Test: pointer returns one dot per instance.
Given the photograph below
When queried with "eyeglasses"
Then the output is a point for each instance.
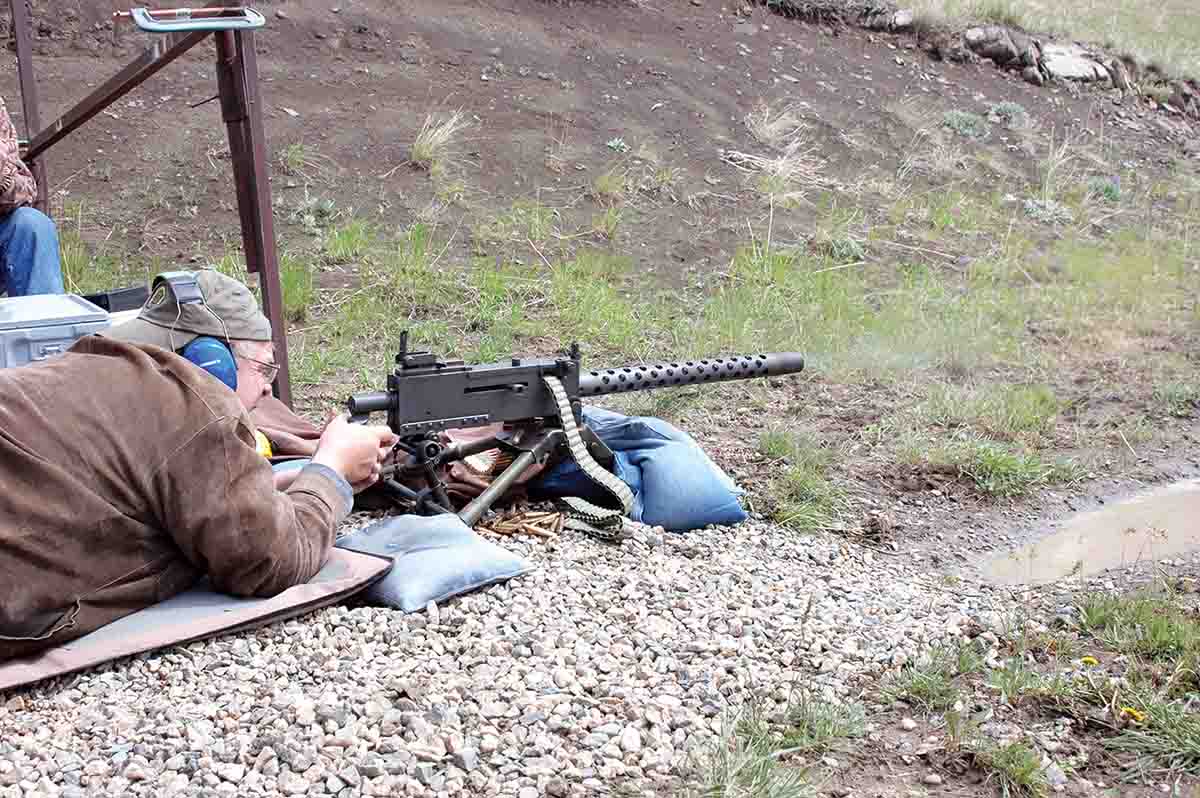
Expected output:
(267, 370)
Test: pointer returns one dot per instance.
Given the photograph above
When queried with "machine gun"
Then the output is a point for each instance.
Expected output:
(538, 403)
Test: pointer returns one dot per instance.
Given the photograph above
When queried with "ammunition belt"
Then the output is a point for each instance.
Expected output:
(591, 519)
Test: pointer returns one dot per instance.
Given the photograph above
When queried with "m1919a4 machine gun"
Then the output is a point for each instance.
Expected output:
(537, 402)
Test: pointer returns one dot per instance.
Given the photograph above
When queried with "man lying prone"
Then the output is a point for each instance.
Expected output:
(129, 470)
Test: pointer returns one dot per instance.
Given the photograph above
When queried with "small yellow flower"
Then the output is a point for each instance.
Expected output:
(1135, 715)
(1090, 661)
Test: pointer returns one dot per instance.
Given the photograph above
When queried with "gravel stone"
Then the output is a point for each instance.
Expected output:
(604, 664)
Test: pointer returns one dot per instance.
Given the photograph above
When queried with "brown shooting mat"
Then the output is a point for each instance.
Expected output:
(197, 614)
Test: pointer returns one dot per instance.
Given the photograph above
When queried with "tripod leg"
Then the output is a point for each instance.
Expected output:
(480, 504)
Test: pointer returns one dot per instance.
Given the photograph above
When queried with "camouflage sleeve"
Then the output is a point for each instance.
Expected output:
(17, 186)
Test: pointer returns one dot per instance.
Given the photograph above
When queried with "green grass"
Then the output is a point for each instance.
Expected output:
(610, 187)
(296, 281)
(965, 123)
(1145, 625)
(525, 221)
(1142, 695)
(803, 494)
(929, 681)
(1014, 768)
(300, 160)
(1014, 681)
(90, 267)
(1180, 399)
(1005, 412)
(815, 725)
(1166, 743)
(996, 469)
(348, 242)
(742, 761)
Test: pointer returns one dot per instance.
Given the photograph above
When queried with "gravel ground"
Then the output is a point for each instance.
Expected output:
(603, 668)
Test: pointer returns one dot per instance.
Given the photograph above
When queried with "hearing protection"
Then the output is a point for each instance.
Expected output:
(211, 354)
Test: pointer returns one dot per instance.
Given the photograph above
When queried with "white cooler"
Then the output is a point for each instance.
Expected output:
(38, 327)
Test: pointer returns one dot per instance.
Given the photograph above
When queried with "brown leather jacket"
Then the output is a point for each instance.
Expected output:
(17, 186)
(127, 474)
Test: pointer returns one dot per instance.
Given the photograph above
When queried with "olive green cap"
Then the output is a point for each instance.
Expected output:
(228, 312)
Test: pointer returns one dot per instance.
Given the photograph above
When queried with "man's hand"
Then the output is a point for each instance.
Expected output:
(355, 451)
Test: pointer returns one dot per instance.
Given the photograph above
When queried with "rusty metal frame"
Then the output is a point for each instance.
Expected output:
(241, 111)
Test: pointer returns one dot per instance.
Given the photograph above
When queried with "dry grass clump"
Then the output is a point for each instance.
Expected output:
(794, 169)
(775, 129)
(433, 145)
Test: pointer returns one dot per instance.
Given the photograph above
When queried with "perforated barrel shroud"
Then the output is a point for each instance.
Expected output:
(687, 372)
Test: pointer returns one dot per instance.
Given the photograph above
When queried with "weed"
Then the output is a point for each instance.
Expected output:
(1106, 188)
(815, 724)
(965, 123)
(1166, 741)
(961, 731)
(667, 403)
(589, 307)
(1001, 12)
(88, 268)
(1055, 174)
(1014, 680)
(432, 146)
(742, 762)
(807, 499)
(1178, 399)
(617, 145)
(296, 279)
(997, 469)
(299, 160)
(1048, 211)
(774, 129)
(1141, 624)
(804, 496)
(605, 225)
(788, 177)
(313, 213)
(348, 242)
(968, 658)
(1015, 767)
(797, 448)
(836, 238)
(927, 682)
(526, 220)
(609, 187)
(1012, 115)
(1009, 413)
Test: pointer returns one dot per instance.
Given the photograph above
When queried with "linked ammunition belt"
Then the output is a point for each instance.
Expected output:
(591, 519)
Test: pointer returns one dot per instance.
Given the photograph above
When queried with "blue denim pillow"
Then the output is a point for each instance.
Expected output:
(675, 484)
(434, 558)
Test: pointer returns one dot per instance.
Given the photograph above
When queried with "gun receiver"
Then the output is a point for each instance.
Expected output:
(426, 395)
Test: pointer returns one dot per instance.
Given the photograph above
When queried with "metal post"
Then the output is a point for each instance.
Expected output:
(237, 83)
(29, 99)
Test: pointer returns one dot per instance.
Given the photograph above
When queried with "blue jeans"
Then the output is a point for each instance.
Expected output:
(29, 254)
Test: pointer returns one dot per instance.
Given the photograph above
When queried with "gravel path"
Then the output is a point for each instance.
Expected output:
(603, 668)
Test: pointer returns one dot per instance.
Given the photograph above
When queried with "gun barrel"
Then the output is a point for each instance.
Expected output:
(688, 372)
(374, 402)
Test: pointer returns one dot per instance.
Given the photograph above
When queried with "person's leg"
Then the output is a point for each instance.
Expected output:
(29, 262)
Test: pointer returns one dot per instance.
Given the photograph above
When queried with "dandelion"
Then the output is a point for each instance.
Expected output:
(1090, 661)
(1135, 715)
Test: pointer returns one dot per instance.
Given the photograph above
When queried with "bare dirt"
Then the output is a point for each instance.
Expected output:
(548, 86)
